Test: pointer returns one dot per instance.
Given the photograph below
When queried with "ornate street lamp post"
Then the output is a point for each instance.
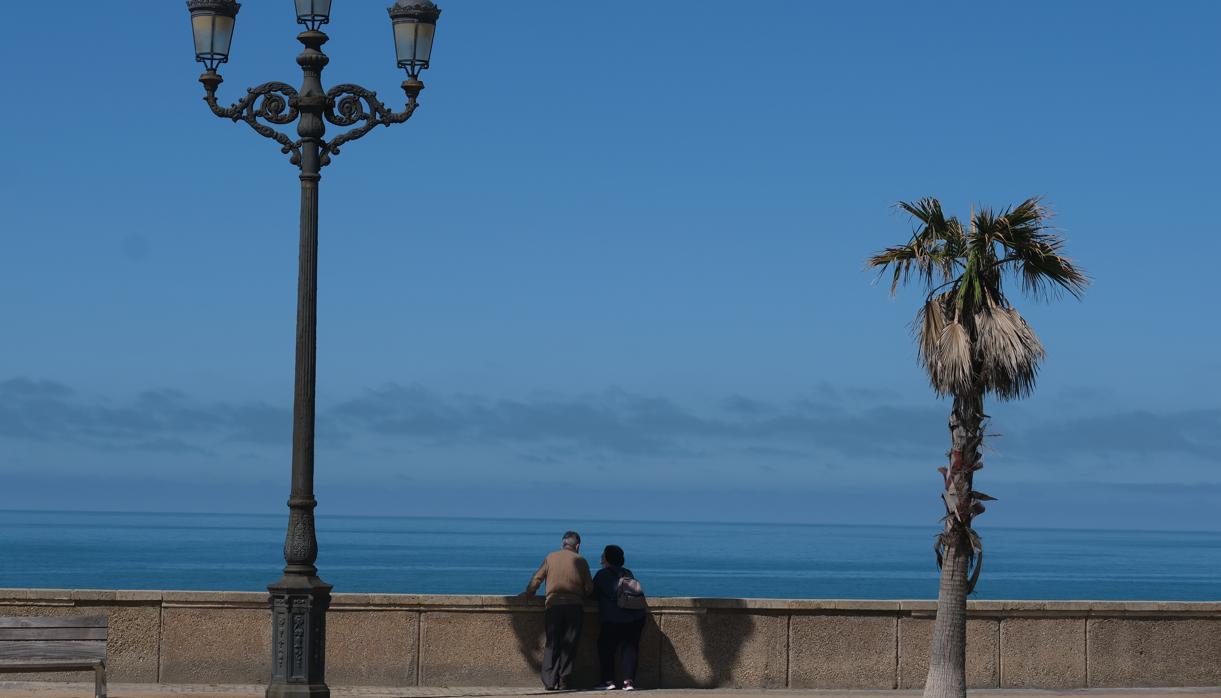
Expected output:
(299, 599)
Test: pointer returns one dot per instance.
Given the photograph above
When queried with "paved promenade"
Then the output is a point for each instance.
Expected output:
(22, 689)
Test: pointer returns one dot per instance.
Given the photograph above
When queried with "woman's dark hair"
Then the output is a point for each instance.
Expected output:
(613, 555)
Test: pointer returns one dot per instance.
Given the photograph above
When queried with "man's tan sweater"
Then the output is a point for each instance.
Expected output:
(567, 577)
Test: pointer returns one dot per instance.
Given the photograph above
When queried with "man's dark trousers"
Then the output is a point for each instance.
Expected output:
(563, 623)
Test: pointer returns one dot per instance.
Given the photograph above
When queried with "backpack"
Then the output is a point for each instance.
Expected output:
(629, 594)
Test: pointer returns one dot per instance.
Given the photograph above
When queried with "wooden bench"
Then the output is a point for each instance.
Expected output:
(63, 643)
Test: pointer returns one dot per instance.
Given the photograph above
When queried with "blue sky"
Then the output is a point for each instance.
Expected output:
(612, 263)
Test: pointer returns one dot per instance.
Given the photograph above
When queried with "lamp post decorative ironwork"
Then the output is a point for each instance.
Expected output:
(299, 599)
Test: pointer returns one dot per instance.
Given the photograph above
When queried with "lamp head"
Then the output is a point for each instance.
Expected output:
(415, 25)
(212, 24)
(313, 13)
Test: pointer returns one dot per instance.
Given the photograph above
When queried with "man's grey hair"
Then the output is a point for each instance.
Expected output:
(571, 539)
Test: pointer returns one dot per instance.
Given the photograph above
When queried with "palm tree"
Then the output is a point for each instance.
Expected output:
(972, 342)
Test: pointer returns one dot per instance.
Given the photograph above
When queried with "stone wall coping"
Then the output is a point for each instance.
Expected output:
(116, 595)
(475, 603)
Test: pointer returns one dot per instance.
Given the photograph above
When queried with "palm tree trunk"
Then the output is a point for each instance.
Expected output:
(947, 662)
(947, 665)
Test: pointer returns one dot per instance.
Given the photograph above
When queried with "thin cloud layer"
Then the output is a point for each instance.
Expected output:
(1141, 433)
(157, 420)
(828, 427)
(625, 424)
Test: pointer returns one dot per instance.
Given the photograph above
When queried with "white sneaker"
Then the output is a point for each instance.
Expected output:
(608, 686)
(627, 686)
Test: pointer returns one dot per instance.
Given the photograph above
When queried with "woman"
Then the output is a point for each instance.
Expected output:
(621, 627)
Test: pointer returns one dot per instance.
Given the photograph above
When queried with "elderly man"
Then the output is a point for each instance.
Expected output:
(568, 581)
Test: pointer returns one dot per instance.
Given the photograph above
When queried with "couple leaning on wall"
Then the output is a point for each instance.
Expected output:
(621, 610)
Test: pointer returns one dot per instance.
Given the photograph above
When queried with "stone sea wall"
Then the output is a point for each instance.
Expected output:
(405, 640)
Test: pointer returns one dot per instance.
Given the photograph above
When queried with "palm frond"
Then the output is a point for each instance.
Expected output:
(928, 264)
(927, 211)
(935, 227)
(1034, 251)
(983, 228)
(1031, 213)
(1007, 351)
(929, 324)
(948, 364)
(931, 252)
(1045, 273)
(974, 290)
(899, 259)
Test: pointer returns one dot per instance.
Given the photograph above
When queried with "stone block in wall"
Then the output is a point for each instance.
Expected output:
(215, 645)
(134, 641)
(842, 651)
(459, 648)
(723, 649)
(1043, 653)
(371, 647)
(1132, 652)
(983, 641)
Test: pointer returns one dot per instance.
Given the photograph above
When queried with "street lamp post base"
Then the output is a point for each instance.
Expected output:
(298, 621)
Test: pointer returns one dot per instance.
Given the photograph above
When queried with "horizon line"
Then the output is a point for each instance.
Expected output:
(704, 522)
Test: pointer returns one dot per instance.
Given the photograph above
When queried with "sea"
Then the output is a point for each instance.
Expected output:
(81, 550)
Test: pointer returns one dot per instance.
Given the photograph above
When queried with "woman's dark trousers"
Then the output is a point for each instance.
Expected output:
(611, 638)
(563, 623)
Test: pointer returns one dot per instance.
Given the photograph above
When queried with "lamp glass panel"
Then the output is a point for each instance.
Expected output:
(314, 10)
(404, 41)
(201, 27)
(222, 36)
(423, 42)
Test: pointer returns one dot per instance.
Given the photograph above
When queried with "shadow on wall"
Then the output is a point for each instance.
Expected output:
(699, 648)
(702, 648)
(528, 628)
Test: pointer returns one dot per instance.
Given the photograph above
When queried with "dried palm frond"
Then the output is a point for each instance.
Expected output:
(930, 323)
(976, 556)
(1007, 351)
(949, 363)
